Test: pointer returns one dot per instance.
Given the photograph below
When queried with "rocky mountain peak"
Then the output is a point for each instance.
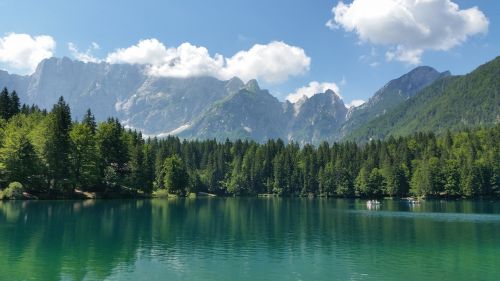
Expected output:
(330, 92)
(252, 86)
(394, 93)
(414, 81)
(334, 95)
(234, 85)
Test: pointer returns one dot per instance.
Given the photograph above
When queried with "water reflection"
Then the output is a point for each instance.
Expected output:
(221, 239)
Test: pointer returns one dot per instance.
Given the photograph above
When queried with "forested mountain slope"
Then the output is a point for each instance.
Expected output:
(390, 96)
(450, 103)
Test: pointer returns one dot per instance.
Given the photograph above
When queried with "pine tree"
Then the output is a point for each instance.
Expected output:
(84, 157)
(113, 151)
(451, 177)
(327, 180)
(15, 104)
(137, 176)
(149, 167)
(420, 184)
(375, 183)
(89, 120)
(361, 180)
(5, 104)
(343, 182)
(58, 146)
(176, 176)
(236, 183)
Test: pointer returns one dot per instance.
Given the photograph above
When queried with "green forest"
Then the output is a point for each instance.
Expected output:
(50, 155)
(450, 103)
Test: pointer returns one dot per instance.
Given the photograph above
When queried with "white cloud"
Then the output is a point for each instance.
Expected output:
(409, 27)
(411, 56)
(150, 51)
(84, 56)
(272, 63)
(184, 61)
(355, 103)
(22, 52)
(310, 90)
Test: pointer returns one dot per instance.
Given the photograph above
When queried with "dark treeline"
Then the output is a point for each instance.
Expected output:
(48, 153)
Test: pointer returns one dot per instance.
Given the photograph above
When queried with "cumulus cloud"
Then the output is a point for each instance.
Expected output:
(272, 63)
(84, 56)
(184, 61)
(310, 90)
(150, 51)
(22, 52)
(409, 27)
(355, 103)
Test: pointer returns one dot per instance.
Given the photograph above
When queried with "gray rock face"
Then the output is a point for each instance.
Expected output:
(13, 82)
(203, 107)
(163, 105)
(83, 85)
(154, 105)
(318, 118)
(250, 113)
(255, 114)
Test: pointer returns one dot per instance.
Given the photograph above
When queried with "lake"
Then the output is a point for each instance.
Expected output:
(249, 239)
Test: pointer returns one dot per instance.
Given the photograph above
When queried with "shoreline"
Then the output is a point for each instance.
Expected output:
(82, 196)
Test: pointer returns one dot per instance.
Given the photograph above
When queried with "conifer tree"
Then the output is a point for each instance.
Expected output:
(5, 104)
(176, 176)
(84, 157)
(58, 146)
(15, 104)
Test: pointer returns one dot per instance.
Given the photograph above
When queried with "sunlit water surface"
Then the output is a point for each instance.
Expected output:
(249, 239)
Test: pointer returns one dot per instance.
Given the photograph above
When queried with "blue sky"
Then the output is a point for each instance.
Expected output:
(358, 55)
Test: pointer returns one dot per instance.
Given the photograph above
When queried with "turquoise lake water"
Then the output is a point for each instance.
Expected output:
(249, 239)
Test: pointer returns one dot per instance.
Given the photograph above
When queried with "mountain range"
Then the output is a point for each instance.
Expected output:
(205, 107)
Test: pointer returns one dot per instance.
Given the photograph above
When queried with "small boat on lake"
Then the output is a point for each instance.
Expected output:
(413, 201)
(373, 204)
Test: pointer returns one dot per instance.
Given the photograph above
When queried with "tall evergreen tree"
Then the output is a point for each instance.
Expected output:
(343, 182)
(176, 176)
(375, 183)
(84, 157)
(15, 104)
(113, 151)
(58, 146)
(5, 104)
(89, 120)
